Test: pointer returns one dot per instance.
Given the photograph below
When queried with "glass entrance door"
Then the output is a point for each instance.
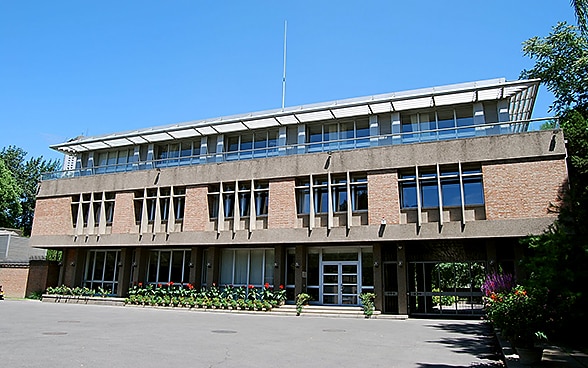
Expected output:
(340, 283)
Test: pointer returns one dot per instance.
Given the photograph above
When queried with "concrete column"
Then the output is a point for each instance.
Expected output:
(280, 266)
(402, 279)
(378, 279)
(212, 266)
(195, 277)
(124, 271)
(140, 265)
(300, 273)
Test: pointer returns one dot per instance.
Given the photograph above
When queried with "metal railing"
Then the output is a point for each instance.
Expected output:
(395, 138)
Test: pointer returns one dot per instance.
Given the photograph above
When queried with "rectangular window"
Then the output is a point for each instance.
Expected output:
(359, 193)
(321, 195)
(451, 188)
(213, 201)
(167, 266)
(101, 270)
(302, 197)
(243, 267)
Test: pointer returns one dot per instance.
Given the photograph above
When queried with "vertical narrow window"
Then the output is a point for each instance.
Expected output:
(164, 203)
(86, 208)
(228, 199)
(362, 133)
(109, 201)
(408, 190)
(261, 195)
(321, 195)
(75, 205)
(339, 189)
(429, 189)
(302, 196)
(179, 202)
(151, 204)
(359, 193)
(96, 207)
(213, 200)
(244, 198)
(138, 203)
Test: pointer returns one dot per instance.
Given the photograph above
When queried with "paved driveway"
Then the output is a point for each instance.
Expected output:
(35, 334)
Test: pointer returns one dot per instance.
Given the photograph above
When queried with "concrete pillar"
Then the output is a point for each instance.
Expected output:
(300, 273)
(124, 271)
(140, 265)
(402, 278)
(378, 282)
(195, 277)
(212, 266)
(280, 266)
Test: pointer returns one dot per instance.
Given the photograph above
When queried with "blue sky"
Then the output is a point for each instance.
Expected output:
(70, 68)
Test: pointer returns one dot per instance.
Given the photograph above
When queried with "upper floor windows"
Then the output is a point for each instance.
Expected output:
(252, 145)
(437, 124)
(92, 210)
(344, 190)
(441, 187)
(338, 135)
(243, 198)
(159, 207)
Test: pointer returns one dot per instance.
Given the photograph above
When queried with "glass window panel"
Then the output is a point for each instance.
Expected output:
(347, 130)
(110, 266)
(303, 200)
(246, 142)
(340, 199)
(409, 195)
(321, 200)
(359, 200)
(339, 256)
(362, 128)
(260, 140)
(232, 144)
(241, 264)
(465, 116)
(451, 192)
(164, 208)
(315, 133)
(473, 191)
(179, 204)
(312, 269)
(350, 268)
(152, 273)
(330, 132)
(229, 203)
(330, 289)
(430, 194)
(269, 266)
(257, 267)
(213, 202)
(445, 119)
(226, 271)
(330, 299)
(90, 266)
(186, 150)
(272, 138)
(261, 203)
(367, 268)
(349, 279)
(164, 265)
(177, 263)
(334, 269)
(331, 279)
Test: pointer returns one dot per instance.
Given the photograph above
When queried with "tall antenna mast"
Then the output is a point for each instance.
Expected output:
(284, 75)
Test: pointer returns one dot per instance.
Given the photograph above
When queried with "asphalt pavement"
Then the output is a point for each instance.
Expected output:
(36, 334)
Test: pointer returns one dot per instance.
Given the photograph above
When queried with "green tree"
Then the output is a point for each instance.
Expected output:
(558, 257)
(26, 174)
(10, 207)
(581, 10)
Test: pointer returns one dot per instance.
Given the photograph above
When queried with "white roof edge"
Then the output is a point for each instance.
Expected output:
(67, 147)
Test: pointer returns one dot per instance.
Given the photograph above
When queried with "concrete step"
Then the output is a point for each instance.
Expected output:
(332, 311)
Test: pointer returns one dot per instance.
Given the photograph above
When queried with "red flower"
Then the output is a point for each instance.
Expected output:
(190, 286)
(171, 283)
(251, 286)
(281, 287)
(140, 284)
(213, 284)
(266, 285)
(159, 285)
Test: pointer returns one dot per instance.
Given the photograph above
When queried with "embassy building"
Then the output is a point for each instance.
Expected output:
(414, 196)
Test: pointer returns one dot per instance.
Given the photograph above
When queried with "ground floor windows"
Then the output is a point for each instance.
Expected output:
(243, 267)
(169, 266)
(101, 270)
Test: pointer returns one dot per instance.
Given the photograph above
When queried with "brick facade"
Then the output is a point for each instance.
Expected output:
(523, 189)
(383, 198)
(123, 221)
(196, 209)
(13, 279)
(53, 217)
(282, 204)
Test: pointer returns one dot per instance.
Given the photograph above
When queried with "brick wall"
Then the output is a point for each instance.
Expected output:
(196, 209)
(383, 198)
(14, 280)
(42, 274)
(123, 220)
(522, 190)
(282, 204)
(53, 216)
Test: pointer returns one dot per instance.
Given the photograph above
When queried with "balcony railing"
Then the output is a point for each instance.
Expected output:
(396, 138)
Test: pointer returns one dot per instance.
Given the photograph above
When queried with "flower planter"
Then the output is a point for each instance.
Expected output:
(530, 356)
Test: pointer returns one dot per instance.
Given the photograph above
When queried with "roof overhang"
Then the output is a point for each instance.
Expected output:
(521, 95)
